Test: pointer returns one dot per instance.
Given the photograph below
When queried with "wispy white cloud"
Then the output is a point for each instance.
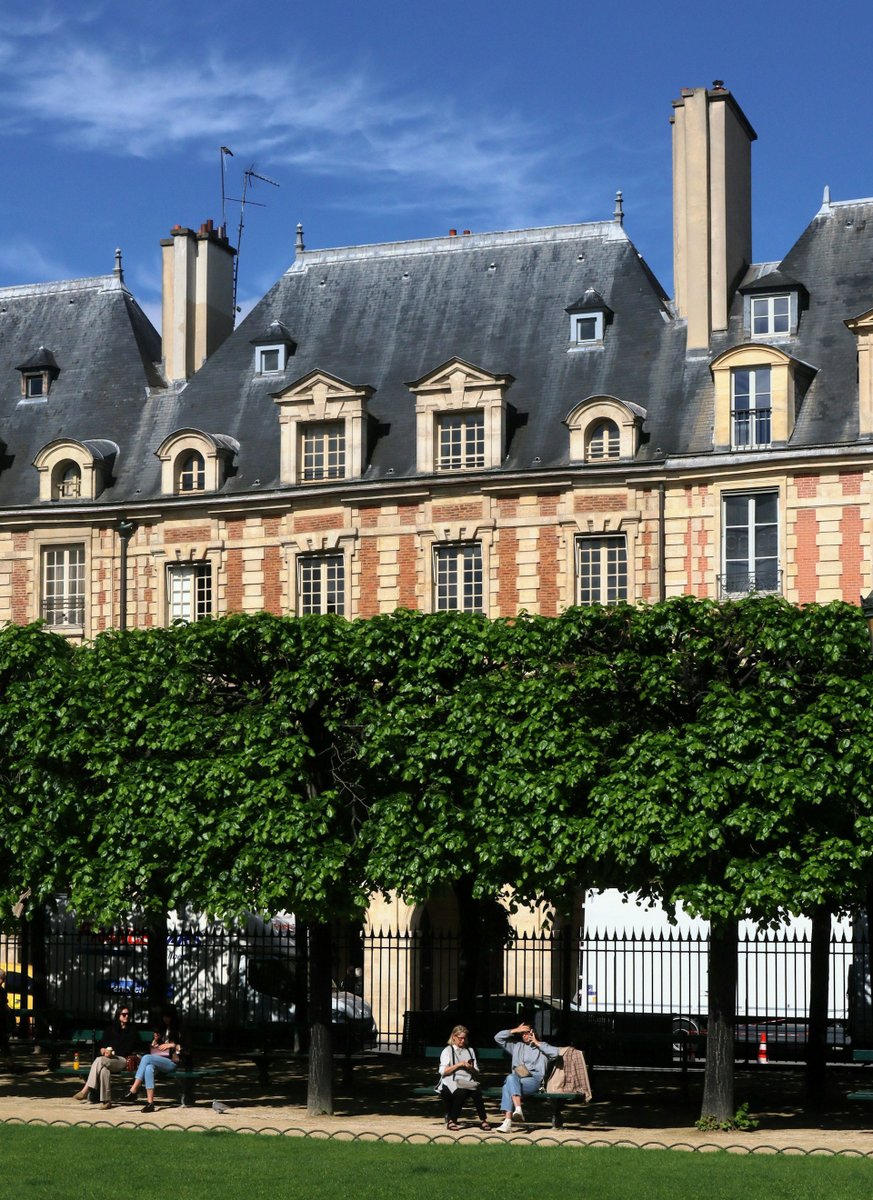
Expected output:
(338, 123)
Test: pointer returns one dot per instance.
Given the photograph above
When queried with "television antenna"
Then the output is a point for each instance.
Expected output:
(249, 177)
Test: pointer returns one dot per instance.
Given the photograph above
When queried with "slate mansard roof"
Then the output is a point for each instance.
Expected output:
(379, 317)
(104, 350)
(384, 316)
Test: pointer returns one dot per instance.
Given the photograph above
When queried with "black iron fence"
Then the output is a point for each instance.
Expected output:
(400, 990)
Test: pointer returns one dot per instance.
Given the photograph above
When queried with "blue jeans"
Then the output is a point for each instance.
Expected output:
(513, 1086)
(149, 1063)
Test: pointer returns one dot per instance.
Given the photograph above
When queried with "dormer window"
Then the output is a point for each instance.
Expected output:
(587, 328)
(323, 429)
(603, 441)
(193, 461)
(273, 348)
(758, 390)
(770, 315)
(37, 374)
(71, 470)
(460, 418)
(750, 414)
(603, 428)
(589, 317)
(192, 473)
(67, 484)
(771, 304)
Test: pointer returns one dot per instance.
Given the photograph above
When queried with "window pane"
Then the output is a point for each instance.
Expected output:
(321, 584)
(458, 578)
(63, 585)
(189, 591)
(750, 539)
(586, 329)
(324, 450)
(460, 441)
(601, 569)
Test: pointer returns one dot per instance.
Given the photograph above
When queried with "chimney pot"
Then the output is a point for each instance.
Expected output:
(453, 233)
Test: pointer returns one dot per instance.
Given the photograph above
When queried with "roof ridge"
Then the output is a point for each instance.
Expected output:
(103, 283)
(453, 243)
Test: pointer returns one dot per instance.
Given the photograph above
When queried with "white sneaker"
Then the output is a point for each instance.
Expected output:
(505, 1127)
(518, 1115)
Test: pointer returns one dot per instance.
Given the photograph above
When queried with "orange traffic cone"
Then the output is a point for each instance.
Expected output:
(762, 1049)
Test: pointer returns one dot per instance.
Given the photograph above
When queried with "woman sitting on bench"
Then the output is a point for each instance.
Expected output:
(459, 1078)
(530, 1061)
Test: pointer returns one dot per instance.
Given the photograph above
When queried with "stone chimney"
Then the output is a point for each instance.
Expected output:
(197, 297)
(712, 207)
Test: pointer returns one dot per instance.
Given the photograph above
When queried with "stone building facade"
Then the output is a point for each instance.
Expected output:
(498, 422)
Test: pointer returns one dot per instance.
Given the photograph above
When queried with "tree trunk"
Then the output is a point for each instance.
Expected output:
(156, 959)
(819, 980)
(319, 1097)
(469, 947)
(718, 1084)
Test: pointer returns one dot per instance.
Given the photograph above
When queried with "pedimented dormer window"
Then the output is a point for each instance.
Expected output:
(72, 470)
(273, 348)
(38, 373)
(589, 317)
(460, 413)
(193, 461)
(604, 428)
(323, 429)
(758, 389)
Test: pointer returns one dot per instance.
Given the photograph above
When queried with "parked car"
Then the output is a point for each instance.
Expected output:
(501, 1009)
(270, 997)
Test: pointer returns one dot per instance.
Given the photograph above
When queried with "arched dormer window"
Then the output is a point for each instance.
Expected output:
(604, 429)
(193, 461)
(71, 470)
(602, 441)
(67, 481)
(191, 473)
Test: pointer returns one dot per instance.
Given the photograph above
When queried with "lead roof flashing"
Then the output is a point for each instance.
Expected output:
(94, 283)
(606, 231)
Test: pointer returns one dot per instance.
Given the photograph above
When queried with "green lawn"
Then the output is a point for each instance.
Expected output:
(107, 1164)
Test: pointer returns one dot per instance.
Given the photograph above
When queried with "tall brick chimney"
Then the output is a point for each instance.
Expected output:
(712, 207)
(197, 297)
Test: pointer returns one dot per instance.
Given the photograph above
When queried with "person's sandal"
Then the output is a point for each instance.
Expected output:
(453, 1126)
(485, 1125)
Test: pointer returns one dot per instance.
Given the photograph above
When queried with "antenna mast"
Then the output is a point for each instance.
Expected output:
(249, 176)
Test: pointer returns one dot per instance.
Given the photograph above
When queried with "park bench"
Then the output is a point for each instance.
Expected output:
(183, 1078)
(862, 1056)
(556, 1100)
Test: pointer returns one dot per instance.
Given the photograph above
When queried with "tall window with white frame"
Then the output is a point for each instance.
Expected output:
(750, 408)
(750, 543)
(189, 591)
(63, 586)
(460, 441)
(321, 584)
(601, 569)
(770, 315)
(323, 451)
(457, 577)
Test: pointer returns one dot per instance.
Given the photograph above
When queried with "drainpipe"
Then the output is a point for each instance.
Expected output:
(125, 533)
(662, 545)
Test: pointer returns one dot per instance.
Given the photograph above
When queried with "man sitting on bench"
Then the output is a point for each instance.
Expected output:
(530, 1061)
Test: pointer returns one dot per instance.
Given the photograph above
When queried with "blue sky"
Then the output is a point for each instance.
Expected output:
(394, 120)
